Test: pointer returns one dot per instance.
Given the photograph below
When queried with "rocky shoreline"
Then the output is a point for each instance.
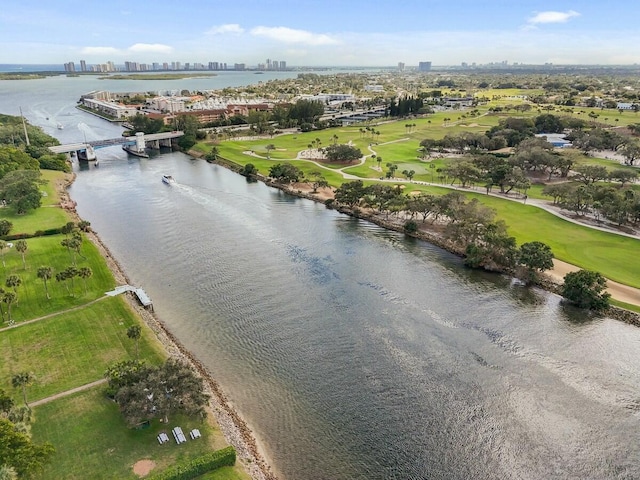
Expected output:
(234, 428)
(545, 282)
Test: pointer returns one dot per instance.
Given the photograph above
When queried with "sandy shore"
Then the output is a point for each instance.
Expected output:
(234, 428)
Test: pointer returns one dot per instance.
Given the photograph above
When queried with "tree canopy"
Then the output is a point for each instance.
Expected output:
(148, 392)
(342, 153)
(20, 189)
(585, 289)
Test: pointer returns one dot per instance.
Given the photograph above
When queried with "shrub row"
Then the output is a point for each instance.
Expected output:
(37, 233)
(225, 457)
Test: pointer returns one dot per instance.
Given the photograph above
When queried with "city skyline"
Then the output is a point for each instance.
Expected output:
(313, 33)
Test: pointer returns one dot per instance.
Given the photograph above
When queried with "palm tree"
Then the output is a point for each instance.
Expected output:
(70, 273)
(9, 298)
(8, 473)
(134, 333)
(23, 380)
(62, 277)
(21, 246)
(45, 273)
(84, 273)
(3, 245)
(432, 166)
(13, 281)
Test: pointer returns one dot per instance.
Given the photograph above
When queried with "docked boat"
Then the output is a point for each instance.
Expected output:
(87, 155)
(134, 151)
(168, 179)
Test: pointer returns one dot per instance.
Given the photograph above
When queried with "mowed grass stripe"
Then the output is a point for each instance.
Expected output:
(73, 349)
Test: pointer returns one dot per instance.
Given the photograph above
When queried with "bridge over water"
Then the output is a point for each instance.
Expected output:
(140, 140)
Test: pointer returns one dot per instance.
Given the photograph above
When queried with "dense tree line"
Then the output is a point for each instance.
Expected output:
(15, 154)
(470, 227)
(20, 457)
(619, 205)
(404, 107)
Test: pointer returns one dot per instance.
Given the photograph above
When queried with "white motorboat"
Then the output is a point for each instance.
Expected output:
(168, 179)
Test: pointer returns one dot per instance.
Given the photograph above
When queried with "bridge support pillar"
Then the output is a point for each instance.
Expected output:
(140, 144)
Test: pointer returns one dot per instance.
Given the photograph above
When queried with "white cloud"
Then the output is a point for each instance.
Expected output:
(99, 51)
(290, 35)
(227, 28)
(150, 48)
(552, 17)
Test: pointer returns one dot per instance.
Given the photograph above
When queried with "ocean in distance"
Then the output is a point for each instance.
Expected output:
(353, 352)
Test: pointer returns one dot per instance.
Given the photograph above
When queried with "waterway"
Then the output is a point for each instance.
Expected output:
(354, 352)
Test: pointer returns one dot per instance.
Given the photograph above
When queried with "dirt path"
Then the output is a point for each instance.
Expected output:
(68, 392)
(55, 314)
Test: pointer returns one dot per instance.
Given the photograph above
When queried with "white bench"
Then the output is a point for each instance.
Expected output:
(195, 433)
(163, 438)
(178, 434)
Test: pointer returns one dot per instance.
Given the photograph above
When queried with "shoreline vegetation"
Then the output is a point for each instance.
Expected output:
(547, 281)
(235, 430)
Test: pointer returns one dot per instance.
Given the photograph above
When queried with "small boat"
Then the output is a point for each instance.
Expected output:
(87, 155)
(168, 179)
(135, 152)
(60, 126)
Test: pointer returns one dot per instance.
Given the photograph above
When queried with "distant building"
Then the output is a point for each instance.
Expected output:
(455, 102)
(83, 66)
(111, 109)
(558, 140)
(401, 66)
(424, 66)
(69, 67)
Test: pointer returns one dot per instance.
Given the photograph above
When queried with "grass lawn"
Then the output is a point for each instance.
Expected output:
(615, 256)
(93, 442)
(42, 218)
(47, 251)
(73, 348)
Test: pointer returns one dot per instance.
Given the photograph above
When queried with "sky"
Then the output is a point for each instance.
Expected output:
(320, 33)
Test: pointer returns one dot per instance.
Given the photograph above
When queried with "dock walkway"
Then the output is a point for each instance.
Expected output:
(143, 298)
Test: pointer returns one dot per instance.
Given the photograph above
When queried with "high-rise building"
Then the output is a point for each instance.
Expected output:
(283, 65)
(401, 66)
(69, 67)
(424, 66)
(83, 66)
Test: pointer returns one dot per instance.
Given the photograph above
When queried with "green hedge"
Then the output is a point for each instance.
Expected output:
(38, 233)
(225, 457)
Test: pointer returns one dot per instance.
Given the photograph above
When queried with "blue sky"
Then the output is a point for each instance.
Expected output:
(329, 32)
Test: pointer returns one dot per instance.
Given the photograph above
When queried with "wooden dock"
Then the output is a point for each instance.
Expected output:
(143, 298)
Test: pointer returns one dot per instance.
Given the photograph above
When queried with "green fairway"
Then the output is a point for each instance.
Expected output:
(93, 442)
(73, 348)
(398, 142)
(615, 256)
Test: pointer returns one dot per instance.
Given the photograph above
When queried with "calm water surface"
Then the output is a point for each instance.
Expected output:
(355, 353)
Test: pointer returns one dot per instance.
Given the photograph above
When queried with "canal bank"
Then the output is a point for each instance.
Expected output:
(550, 281)
(234, 428)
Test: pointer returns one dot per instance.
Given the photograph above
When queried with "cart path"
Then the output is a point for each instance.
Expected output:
(68, 392)
(618, 291)
(61, 312)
